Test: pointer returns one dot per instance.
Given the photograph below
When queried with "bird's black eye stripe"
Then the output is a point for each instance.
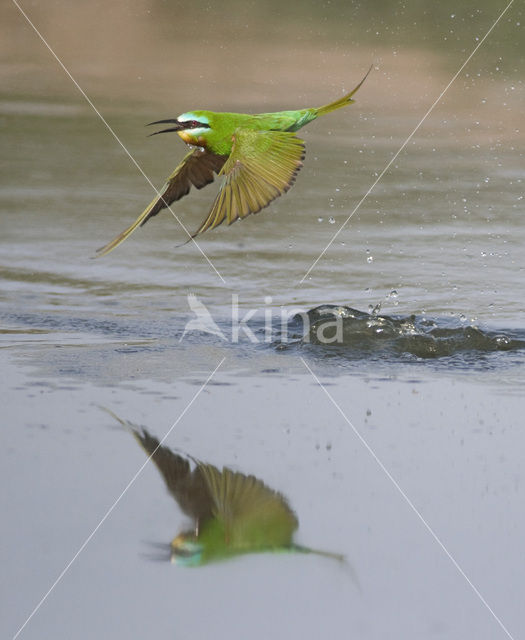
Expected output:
(194, 124)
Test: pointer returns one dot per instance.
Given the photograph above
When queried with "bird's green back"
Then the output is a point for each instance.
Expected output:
(222, 126)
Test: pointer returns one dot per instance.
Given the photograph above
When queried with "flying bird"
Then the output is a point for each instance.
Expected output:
(257, 156)
(232, 513)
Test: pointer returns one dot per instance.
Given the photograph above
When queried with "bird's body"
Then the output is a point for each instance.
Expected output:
(258, 157)
(222, 126)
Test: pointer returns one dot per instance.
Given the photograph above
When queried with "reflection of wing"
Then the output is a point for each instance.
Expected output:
(197, 169)
(188, 487)
(261, 167)
(251, 514)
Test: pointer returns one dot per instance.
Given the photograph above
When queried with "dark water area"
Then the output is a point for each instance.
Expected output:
(360, 333)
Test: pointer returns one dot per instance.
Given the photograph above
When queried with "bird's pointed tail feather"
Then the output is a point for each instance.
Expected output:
(319, 552)
(341, 558)
(342, 102)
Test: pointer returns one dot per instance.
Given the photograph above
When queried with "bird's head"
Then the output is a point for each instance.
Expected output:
(185, 551)
(192, 127)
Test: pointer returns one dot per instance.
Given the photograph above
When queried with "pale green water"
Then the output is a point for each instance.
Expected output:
(441, 236)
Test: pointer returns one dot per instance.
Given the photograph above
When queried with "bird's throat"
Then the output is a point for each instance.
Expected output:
(197, 141)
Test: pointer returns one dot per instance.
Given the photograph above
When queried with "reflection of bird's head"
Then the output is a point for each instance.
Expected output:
(185, 552)
(191, 127)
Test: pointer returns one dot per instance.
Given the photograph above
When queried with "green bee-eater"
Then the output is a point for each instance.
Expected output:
(232, 513)
(257, 156)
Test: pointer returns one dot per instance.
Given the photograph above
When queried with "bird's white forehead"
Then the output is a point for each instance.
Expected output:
(184, 117)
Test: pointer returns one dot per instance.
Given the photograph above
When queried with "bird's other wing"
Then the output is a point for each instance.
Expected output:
(261, 167)
(197, 168)
(252, 515)
(187, 487)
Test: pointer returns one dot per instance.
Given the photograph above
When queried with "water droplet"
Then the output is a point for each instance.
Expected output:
(502, 341)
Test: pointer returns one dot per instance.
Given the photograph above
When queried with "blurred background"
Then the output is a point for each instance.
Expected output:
(155, 54)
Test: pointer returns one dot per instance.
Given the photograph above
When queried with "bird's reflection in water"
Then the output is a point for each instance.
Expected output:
(232, 513)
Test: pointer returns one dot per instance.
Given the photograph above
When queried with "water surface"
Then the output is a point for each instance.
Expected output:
(429, 373)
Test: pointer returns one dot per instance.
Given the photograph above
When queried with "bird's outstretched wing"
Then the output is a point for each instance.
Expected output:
(197, 169)
(252, 515)
(261, 167)
(187, 486)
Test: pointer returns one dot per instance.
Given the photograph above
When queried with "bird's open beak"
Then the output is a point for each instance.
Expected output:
(178, 126)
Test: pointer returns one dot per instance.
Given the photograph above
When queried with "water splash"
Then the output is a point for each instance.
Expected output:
(359, 333)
